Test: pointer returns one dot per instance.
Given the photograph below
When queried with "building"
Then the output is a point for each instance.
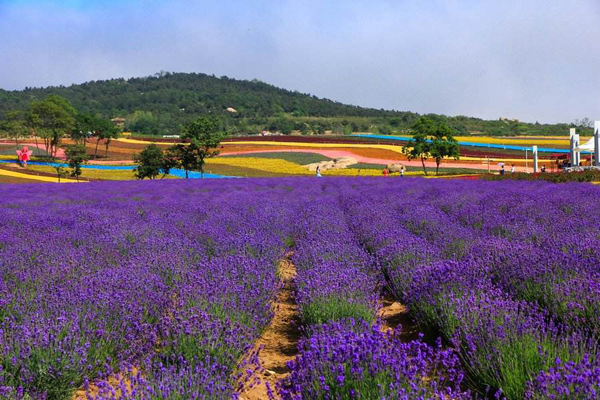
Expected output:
(119, 121)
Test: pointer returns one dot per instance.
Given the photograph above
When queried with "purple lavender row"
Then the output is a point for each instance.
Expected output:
(336, 279)
(113, 272)
(344, 355)
(496, 335)
(356, 360)
(554, 258)
(541, 269)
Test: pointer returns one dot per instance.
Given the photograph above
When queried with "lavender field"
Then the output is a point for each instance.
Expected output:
(160, 290)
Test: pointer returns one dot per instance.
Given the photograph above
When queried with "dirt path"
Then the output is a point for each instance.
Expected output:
(394, 315)
(279, 342)
(114, 380)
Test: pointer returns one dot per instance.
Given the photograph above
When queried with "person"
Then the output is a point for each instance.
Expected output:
(319, 172)
(543, 168)
(386, 172)
(24, 155)
(512, 169)
(502, 170)
(401, 171)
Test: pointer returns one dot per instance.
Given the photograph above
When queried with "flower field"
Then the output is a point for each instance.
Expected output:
(160, 290)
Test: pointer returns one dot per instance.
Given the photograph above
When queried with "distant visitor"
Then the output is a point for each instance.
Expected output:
(24, 155)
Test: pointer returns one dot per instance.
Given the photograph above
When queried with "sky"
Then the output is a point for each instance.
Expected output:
(535, 60)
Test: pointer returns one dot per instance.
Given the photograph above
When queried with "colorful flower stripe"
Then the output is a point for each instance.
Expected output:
(287, 167)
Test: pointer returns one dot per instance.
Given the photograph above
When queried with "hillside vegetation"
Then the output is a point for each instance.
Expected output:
(162, 103)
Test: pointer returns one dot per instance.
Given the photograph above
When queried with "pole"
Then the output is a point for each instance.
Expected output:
(572, 147)
(597, 144)
(576, 153)
(535, 159)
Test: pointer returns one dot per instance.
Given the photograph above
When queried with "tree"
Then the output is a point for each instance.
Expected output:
(204, 135)
(143, 122)
(76, 155)
(101, 128)
(185, 158)
(284, 125)
(152, 161)
(418, 146)
(108, 136)
(105, 130)
(443, 145)
(51, 118)
(83, 126)
(584, 123)
(170, 160)
(14, 127)
(60, 172)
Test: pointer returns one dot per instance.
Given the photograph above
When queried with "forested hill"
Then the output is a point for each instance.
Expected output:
(192, 93)
(162, 103)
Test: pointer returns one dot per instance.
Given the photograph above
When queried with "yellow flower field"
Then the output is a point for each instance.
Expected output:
(364, 172)
(20, 175)
(262, 164)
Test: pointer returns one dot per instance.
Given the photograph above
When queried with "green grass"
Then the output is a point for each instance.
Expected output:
(334, 308)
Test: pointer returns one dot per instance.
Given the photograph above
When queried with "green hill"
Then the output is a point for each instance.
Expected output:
(160, 104)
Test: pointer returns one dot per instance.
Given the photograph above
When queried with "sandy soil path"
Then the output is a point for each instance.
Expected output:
(394, 316)
(279, 342)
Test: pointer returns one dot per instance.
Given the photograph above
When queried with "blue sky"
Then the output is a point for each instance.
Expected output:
(532, 60)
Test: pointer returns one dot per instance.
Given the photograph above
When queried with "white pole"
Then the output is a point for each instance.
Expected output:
(577, 153)
(597, 143)
(572, 147)
(535, 159)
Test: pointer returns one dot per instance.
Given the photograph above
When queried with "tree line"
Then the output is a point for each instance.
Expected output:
(166, 102)
(430, 139)
(51, 120)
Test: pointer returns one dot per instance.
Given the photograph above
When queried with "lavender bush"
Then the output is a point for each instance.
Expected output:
(177, 279)
(353, 360)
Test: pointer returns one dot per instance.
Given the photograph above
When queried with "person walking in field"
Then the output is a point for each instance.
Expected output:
(319, 172)
(401, 171)
(502, 170)
(386, 172)
(512, 169)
